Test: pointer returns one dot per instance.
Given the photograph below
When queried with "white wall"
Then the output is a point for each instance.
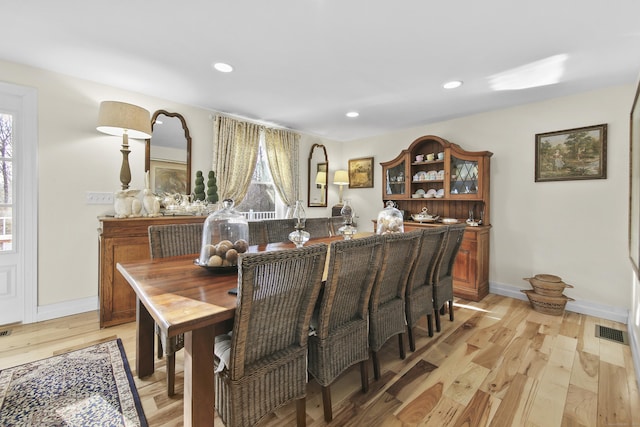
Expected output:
(574, 229)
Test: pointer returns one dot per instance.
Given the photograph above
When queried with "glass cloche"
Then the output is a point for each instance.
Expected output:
(390, 220)
(225, 235)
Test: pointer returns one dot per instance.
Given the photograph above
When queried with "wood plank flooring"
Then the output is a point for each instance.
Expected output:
(498, 364)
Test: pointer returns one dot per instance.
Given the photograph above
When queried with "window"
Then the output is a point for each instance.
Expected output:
(6, 181)
(262, 200)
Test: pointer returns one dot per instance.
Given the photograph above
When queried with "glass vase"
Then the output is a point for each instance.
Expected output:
(347, 230)
(299, 237)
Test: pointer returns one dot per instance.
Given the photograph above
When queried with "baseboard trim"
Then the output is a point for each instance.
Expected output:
(67, 308)
(617, 314)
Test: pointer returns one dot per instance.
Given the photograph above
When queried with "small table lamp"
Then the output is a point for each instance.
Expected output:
(321, 180)
(340, 178)
(126, 120)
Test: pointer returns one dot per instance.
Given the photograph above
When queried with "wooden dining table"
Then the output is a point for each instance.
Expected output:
(184, 298)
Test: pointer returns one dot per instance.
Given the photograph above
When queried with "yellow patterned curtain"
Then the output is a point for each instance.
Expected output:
(236, 147)
(282, 148)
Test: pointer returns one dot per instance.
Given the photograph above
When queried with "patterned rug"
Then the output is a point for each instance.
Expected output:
(88, 387)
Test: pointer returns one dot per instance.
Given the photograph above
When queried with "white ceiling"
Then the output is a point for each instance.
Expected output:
(303, 64)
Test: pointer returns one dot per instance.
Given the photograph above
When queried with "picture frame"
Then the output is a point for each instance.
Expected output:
(361, 172)
(571, 154)
(634, 184)
(168, 177)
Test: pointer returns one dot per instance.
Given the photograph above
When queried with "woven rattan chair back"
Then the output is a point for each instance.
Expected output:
(387, 303)
(419, 294)
(267, 365)
(342, 335)
(318, 227)
(278, 229)
(257, 233)
(165, 241)
(443, 275)
(174, 239)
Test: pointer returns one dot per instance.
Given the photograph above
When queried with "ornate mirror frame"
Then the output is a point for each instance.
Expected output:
(318, 164)
(180, 169)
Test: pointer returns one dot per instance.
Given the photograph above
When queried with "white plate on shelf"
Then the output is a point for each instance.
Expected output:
(449, 221)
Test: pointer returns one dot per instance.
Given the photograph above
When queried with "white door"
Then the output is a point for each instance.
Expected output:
(18, 201)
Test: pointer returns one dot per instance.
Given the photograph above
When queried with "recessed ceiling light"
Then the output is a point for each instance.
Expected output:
(222, 67)
(352, 114)
(452, 84)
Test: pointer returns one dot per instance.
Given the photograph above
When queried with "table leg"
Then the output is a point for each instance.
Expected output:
(199, 399)
(144, 341)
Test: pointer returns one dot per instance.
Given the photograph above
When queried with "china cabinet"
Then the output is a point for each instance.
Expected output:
(451, 183)
(123, 240)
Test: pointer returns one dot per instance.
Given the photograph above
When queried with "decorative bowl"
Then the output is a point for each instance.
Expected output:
(449, 221)
(423, 218)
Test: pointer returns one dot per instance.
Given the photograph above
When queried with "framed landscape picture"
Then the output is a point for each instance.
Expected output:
(361, 172)
(572, 154)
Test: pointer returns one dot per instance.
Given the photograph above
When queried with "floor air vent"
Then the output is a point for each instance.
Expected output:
(5, 332)
(612, 334)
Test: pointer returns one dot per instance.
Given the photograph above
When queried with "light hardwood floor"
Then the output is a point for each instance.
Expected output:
(498, 364)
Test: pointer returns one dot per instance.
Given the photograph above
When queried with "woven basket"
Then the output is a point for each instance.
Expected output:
(546, 304)
(548, 288)
(548, 277)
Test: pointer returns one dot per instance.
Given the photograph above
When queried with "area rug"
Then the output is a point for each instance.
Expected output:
(92, 386)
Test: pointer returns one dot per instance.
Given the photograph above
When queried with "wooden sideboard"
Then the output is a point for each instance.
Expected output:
(124, 240)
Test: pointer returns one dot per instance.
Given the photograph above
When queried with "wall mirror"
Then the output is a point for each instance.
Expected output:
(168, 154)
(318, 173)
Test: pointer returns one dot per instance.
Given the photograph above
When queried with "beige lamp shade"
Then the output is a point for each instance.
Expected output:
(341, 178)
(117, 118)
(125, 120)
(321, 178)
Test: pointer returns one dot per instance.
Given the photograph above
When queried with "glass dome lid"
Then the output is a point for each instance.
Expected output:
(225, 235)
(390, 220)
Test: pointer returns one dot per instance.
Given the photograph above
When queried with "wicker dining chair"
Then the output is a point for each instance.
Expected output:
(419, 294)
(165, 241)
(318, 227)
(340, 337)
(278, 230)
(262, 364)
(387, 303)
(443, 275)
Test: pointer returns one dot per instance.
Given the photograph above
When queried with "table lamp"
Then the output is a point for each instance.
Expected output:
(321, 180)
(340, 178)
(126, 120)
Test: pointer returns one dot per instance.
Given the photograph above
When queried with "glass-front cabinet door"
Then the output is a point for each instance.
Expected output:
(395, 178)
(464, 176)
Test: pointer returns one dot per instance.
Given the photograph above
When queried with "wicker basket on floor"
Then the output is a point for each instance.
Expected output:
(543, 286)
(547, 304)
